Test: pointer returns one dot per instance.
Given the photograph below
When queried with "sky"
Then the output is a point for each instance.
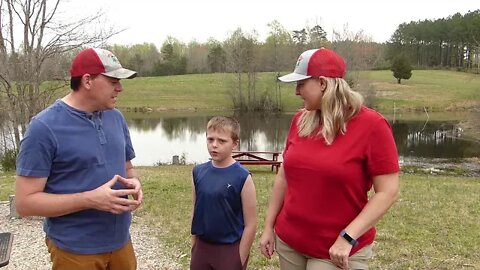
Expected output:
(153, 20)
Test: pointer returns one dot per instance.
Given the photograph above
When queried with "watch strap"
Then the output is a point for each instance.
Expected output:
(349, 239)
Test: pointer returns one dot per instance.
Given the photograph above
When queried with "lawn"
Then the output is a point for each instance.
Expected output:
(435, 90)
(435, 224)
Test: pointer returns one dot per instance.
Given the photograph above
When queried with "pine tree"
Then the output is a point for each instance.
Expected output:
(401, 68)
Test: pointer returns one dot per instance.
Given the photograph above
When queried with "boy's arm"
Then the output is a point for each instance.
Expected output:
(194, 238)
(249, 204)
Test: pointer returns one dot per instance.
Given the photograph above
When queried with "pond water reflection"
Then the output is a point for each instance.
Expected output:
(158, 138)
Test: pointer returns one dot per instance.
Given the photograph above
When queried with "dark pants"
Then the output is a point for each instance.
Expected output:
(208, 256)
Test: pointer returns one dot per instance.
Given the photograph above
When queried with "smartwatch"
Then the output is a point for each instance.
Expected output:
(349, 239)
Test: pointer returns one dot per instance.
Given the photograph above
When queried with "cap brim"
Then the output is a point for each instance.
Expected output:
(293, 77)
(121, 73)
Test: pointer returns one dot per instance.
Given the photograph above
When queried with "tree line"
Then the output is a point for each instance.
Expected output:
(451, 42)
(243, 51)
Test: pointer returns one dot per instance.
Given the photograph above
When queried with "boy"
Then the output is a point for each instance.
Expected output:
(224, 216)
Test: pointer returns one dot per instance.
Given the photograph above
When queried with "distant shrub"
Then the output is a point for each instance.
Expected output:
(8, 160)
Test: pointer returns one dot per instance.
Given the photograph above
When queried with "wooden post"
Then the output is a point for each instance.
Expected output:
(175, 160)
(13, 209)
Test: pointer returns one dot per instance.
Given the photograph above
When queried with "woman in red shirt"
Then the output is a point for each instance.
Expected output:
(320, 216)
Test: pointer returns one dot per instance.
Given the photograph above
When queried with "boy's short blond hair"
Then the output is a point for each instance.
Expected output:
(224, 123)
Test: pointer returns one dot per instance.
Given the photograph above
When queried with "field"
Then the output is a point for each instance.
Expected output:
(433, 89)
(434, 225)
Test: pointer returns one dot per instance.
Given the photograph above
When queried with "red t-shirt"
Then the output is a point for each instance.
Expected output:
(327, 185)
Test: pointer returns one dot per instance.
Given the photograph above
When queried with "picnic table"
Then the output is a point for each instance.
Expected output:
(247, 157)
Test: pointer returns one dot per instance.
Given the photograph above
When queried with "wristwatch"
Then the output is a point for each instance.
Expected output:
(349, 239)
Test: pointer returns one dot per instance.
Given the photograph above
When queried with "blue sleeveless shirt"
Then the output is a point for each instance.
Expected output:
(218, 213)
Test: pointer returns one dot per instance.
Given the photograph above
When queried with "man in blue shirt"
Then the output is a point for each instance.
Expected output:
(74, 168)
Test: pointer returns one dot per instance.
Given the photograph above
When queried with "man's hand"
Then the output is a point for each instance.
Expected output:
(110, 200)
(133, 183)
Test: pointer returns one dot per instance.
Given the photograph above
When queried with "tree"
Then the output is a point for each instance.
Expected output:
(401, 68)
(140, 57)
(318, 36)
(174, 61)
(216, 56)
(355, 48)
(197, 57)
(300, 38)
(34, 46)
(240, 51)
(446, 42)
(279, 54)
(278, 48)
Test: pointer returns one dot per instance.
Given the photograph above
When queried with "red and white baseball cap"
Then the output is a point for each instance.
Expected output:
(96, 61)
(315, 63)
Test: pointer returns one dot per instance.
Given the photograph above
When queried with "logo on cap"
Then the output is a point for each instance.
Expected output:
(114, 58)
(300, 58)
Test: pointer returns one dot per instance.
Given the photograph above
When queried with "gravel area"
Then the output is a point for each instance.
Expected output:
(29, 250)
(468, 167)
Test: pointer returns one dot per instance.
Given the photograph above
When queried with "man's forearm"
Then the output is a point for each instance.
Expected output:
(51, 205)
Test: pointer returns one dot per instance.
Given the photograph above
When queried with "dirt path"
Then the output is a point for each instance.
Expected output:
(29, 250)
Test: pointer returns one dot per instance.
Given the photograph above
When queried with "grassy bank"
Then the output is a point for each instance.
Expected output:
(434, 89)
(433, 226)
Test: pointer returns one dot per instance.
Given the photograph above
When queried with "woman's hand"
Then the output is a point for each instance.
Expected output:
(339, 253)
(267, 243)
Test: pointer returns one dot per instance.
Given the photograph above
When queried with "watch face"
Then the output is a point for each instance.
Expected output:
(347, 237)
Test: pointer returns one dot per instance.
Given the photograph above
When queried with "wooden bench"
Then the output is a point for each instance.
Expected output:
(258, 158)
(5, 247)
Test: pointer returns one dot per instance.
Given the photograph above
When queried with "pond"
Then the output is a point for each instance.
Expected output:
(157, 138)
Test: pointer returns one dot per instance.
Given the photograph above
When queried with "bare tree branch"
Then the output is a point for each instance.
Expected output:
(29, 72)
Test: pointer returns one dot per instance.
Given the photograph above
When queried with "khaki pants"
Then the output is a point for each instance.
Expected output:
(121, 259)
(292, 260)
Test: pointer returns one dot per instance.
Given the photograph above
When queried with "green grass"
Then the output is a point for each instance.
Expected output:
(187, 92)
(437, 90)
(435, 224)
(7, 185)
